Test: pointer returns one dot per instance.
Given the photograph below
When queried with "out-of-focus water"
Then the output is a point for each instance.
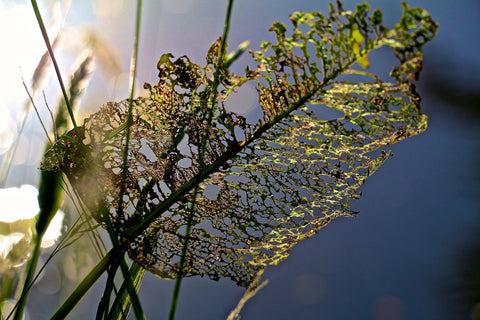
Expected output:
(407, 253)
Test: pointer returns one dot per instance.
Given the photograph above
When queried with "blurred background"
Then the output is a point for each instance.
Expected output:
(414, 250)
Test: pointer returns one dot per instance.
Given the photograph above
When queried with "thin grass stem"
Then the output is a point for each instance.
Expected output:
(55, 134)
(117, 250)
(54, 61)
(83, 287)
(38, 75)
(7, 161)
(104, 303)
(32, 264)
(133, 76)
(122, 303)
(137, 308)
(36, 111)
(212, 104)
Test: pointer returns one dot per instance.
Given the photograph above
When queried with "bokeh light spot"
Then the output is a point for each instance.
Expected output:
(54, 230)
(307, 289)
(18, 203)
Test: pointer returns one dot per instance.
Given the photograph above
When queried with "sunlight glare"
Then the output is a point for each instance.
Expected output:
(6, 129)
(30, 148)
(20, 35)
(54, 230)
(18, 203)
(8, 242)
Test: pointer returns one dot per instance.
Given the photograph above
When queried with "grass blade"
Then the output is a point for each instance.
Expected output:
(104, 303)
(212, 101)
(137, 308)
(32, 264)
(54, 61)
(38, 77)
(83, 287)
(49, 196)
(122, 304)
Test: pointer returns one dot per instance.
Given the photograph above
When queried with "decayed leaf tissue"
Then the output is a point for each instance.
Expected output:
(250, 191)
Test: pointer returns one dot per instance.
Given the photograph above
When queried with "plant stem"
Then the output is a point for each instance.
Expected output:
(212, 103)
(117, 250)
(121, 305)
(104, 303)
(133, 76)
(251, 291)
(54, 61)
(178, 281)
(139, 314)
(32, 265)
(84, 286)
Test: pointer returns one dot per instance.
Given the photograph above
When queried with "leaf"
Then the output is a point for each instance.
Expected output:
(237, 53)
(265, 185)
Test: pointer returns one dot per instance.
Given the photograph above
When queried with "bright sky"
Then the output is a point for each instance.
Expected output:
(21, 50)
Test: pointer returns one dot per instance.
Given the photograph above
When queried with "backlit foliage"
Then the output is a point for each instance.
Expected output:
(263, 186)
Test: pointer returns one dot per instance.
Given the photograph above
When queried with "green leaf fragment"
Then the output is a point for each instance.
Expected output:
(357, 36)
(279, 28)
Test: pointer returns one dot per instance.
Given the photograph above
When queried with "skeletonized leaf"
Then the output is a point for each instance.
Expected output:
(264, 186)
